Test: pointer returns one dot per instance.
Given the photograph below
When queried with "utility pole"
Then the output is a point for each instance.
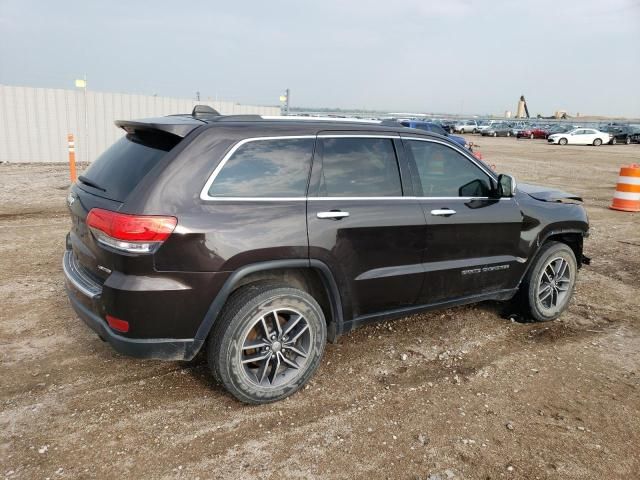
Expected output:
(197, 96)
(286, 99)
(82, 83)
(288, 94)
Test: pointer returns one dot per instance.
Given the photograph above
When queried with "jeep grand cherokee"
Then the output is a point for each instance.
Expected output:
(259, 239)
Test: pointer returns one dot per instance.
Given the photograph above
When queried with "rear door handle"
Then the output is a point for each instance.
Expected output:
(333, 214)
(443, 212)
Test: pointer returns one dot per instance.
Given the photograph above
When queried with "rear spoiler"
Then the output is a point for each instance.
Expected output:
(175, 125)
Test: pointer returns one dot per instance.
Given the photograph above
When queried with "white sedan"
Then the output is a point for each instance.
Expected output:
(580, 136)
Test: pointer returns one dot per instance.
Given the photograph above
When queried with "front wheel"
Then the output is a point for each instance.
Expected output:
(597, 142)
(267, 342)
(613, 141)
(495, 134)
(531, 136)
(627, 140)
(562, 141)
(549, 284)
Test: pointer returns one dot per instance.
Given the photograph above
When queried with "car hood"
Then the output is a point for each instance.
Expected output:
(547, 194)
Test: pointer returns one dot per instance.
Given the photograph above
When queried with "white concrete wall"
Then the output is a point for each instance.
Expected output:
(34, 122)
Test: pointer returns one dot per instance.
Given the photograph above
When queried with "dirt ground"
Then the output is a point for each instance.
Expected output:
(476, 397)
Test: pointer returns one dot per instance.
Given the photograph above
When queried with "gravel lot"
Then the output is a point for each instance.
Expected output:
(460, 393)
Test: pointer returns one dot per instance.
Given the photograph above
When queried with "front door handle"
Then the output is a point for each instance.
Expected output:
(443, 212)
(336, 215)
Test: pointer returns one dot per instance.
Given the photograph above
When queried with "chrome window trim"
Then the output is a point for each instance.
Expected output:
(205, 196)
(304, 199)
(364, 135)
(204, 193)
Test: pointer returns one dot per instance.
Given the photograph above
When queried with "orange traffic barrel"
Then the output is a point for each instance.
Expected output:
(627, 194)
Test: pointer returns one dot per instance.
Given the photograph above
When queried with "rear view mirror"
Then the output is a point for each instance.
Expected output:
(506, 185)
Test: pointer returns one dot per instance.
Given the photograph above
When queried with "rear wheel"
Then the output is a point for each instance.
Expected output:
(597, 142)
(267, 342)
(549, 284)
(562, 141)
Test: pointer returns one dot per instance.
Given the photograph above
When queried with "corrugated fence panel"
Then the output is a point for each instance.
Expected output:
(34, 122)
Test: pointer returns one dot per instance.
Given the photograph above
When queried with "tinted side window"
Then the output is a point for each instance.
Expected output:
(359, 167)
(444, 172)
(266, 168)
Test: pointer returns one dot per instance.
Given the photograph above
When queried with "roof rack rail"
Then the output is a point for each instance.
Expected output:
(319, 119)
(204, 110)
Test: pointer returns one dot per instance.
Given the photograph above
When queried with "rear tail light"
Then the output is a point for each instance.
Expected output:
(130, 233)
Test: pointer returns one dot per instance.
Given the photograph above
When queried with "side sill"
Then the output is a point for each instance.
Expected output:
(499, 295)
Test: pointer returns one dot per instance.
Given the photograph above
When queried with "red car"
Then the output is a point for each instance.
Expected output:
(532, 133)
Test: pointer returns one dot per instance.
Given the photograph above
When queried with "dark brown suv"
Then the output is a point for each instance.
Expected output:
(260, 239)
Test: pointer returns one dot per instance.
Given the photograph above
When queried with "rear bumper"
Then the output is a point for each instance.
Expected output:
(84, 296)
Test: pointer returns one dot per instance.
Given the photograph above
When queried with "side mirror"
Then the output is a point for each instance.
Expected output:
(506, 185)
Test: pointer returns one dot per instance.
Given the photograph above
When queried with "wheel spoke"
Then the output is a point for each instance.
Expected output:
(255, 345)
(256, 358)
(262, 372)
(549, 277)
(263, 322)
(554, 297)
(274, 370)
(296, 350)
(291, 323)
(288, 362)
(277, 323)
(546, 295)
(563, 268)
(299, 333)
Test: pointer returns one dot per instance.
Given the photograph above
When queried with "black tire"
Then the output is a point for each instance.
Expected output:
(533, 288)
(597, 142)
(562, 141)
(250, 309)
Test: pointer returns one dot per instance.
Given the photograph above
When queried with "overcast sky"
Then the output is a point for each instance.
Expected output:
(457, 56)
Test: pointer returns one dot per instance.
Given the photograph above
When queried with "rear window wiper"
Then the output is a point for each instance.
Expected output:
(88, 182)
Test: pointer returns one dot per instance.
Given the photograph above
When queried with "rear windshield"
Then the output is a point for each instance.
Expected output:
(116, 172)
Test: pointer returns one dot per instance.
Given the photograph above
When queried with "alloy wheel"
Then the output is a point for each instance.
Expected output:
(554, 284)
(276, 348)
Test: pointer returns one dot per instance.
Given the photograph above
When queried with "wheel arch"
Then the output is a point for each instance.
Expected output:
(573, 238)
(312, 276)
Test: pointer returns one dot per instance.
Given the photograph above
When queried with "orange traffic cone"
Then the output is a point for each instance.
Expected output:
(627, 194)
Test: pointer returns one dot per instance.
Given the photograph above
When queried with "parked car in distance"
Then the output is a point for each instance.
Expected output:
(448, 125)
(468, 126)
(561, 128)
(580, 136)
(532, 132)
(260, 239)
(484, 124)
(497, 130)
(434, 128)
(620, 134)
